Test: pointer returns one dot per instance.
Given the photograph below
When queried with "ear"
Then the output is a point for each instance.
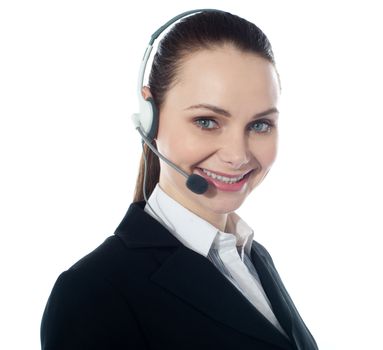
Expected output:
(146, 92)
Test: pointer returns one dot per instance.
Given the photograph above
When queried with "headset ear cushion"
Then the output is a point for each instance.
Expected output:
(152, 133)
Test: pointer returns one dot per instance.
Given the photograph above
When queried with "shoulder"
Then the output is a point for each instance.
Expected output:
(264, 254)
(104, 272)
(107, 255)
(262, 251)
(85, 282)
(123, 259)
(107, 266)
(87, 307)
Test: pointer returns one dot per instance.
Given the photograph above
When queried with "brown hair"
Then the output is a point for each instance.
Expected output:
(204, 30)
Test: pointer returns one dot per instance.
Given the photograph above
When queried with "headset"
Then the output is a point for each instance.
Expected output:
(147, 120)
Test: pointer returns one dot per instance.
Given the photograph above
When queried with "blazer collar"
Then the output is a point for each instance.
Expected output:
(139, 229)
(193, 278)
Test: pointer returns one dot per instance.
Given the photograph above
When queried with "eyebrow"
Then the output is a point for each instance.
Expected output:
(226, 113)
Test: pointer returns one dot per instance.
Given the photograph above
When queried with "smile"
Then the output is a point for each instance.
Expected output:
(228, 180)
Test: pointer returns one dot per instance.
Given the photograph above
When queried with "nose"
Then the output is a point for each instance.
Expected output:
(235, 151)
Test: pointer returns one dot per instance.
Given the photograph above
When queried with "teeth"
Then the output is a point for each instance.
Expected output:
(223, 178)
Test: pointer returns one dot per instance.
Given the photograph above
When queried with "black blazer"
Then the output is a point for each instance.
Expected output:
(143, 289)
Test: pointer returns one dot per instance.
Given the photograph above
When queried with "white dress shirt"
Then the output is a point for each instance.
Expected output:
(229, 252)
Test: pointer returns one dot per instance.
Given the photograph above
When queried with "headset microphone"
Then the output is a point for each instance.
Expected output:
(147, 120)
(194, 182)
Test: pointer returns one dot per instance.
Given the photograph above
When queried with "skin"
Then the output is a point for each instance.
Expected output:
(243, 84)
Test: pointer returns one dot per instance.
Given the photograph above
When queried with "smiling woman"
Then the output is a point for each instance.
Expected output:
(182, 270)
(215, 83)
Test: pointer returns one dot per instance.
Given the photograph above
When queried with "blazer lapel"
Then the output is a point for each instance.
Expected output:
(193, 278)
(197, 281)
(282, 304)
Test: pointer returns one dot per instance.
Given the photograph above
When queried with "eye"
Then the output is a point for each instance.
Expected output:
(262, 126)
(206, 123)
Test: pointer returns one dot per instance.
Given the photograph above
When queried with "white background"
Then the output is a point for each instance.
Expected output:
(69, 154)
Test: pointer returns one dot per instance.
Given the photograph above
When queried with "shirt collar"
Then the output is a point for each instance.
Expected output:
(195, 232)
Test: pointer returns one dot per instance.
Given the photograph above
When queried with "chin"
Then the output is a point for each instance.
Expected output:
(221, 205)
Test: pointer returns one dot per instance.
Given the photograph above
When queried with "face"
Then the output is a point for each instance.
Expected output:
(219, 119)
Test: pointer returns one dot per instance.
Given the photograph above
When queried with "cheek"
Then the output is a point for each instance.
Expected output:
(181, 142)
(193, 151)
(169, 138)
(266, 152)
(180, 145)
(196, 151)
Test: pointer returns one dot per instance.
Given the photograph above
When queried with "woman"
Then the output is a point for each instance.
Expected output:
(182, 270)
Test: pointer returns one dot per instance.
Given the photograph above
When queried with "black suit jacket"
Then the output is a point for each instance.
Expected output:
(143, 289)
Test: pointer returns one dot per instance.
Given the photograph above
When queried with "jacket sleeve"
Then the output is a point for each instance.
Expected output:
(85, 312)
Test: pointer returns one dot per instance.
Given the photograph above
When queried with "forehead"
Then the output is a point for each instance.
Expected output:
(226, 72)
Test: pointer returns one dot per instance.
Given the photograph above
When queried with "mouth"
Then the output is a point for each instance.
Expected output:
(225, 182)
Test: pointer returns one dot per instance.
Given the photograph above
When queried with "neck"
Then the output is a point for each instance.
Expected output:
(218, 221)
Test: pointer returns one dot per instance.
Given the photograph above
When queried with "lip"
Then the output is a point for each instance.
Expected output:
(222, 186)
(226, 175)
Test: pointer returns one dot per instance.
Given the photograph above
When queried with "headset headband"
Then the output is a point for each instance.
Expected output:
(146, 120)
(153, 37)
